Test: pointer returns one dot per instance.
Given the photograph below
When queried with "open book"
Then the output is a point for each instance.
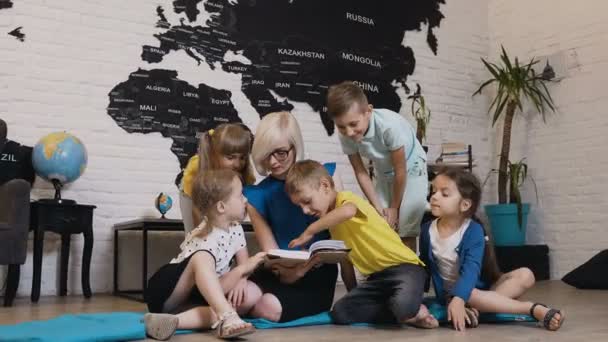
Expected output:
(330, 252)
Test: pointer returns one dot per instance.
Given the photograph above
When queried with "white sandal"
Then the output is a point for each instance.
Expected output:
(221, 326)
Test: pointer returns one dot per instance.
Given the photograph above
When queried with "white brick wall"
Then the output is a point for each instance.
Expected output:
(567, 155)
(76, 51)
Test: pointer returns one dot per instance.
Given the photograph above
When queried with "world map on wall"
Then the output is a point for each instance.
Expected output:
(5, 4)
(16, 32)
(296, 49)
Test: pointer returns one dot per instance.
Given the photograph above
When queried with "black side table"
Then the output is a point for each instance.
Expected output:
(144, 225)
(64, 219)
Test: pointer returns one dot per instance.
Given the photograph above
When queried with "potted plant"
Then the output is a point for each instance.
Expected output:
(420, 112)
(508, 235)
(515, 84)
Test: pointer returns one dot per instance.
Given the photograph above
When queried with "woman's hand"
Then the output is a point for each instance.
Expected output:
(457, 314)
(236, 296)
(391, 215)
(290, 275)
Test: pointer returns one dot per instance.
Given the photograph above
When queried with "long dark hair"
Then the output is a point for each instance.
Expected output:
(470, 188)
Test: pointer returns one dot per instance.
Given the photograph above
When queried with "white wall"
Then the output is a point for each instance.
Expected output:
(76, 51)
(567, 155)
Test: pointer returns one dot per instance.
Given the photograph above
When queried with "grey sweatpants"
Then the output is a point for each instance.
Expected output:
(392, 295)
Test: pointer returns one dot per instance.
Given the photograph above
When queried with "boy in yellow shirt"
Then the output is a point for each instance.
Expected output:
(394, 288)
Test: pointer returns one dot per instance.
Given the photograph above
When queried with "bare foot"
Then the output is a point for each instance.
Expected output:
(423, 319)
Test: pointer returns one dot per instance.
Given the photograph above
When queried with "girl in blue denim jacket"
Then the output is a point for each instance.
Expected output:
(461, 259)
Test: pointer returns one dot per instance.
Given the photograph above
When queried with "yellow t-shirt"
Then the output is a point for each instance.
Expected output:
(374, 245)
(190, 172)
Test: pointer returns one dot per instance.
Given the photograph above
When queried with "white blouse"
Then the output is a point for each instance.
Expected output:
(446, 254)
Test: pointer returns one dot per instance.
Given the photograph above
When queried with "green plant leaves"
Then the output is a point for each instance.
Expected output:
(515, 84)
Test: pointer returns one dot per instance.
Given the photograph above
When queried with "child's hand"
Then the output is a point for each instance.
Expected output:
(457, 313)
(391, 215)
(236, 296)
(259, 257)
(253, 262)
(301, 240)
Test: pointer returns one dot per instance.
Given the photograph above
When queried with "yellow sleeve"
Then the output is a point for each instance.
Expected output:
(190, 173)
(347, 197)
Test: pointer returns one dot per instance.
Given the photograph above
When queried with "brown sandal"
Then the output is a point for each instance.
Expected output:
(221, 326)
(473, 316)
(546, 322)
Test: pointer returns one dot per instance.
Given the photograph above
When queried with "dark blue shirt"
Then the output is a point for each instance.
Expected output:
(286, 220)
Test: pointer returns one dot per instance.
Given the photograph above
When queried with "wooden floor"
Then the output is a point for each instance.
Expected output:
(586, 311)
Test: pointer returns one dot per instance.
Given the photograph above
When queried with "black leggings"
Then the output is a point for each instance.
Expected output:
(312, 294)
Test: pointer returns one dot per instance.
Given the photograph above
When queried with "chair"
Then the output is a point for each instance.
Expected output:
(14, 228)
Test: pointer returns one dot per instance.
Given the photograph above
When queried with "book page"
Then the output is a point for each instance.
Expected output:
(288, 254)
(337, 245)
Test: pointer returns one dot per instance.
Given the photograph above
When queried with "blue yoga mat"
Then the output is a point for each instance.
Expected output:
(103, 327)
(128, 326)
(320, 319)
(440, 312)
(112, 326)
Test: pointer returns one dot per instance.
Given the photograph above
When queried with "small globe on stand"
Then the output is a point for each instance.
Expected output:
(59, 158)
(163, 204)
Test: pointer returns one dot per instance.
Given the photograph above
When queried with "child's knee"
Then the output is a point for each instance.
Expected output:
(473, 297)
(252, 295)
(339, 313)
(268, 307)
(339, 316)
(342, 313)
(405, 308)
(253, 291)
(526, 277)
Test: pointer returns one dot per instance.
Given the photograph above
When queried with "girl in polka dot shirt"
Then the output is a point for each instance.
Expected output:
(201, 275)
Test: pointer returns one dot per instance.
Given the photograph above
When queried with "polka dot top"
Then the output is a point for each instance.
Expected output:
(220, 243)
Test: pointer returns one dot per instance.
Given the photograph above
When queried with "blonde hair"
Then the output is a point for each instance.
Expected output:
(271, 129)
(226, 139)
(306, 172)
(210, 187)
(342, 96)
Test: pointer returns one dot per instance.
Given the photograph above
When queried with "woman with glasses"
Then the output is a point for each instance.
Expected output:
(289, 293)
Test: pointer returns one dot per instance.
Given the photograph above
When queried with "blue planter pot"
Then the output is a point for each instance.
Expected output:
(505, 228)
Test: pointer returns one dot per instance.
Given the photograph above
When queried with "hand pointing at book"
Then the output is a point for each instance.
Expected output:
(301, 240)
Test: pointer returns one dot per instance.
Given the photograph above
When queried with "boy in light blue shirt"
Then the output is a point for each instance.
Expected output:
(389, 141)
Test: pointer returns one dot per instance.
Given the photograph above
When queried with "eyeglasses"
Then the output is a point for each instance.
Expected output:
(280, 154)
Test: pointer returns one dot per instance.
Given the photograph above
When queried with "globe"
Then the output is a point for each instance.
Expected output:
(59, 158)
(163, 203)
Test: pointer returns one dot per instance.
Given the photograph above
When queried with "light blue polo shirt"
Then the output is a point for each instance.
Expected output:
(387, 132)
